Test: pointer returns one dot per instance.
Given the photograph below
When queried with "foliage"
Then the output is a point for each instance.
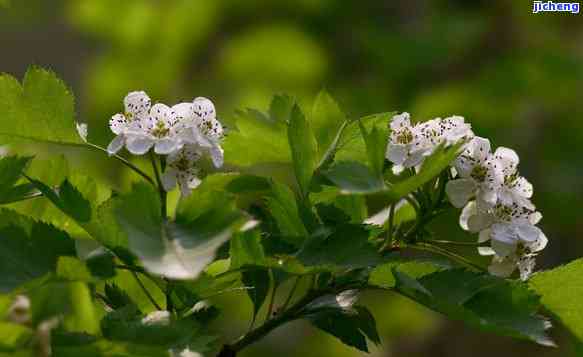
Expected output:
(137, 279)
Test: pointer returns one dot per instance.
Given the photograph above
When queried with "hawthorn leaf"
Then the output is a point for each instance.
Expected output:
(326, 120)
(304, 149)
(561, 294)
(40, 109)
(355, 178)
(246, 249)
(27, 256)
(257, 281)
(283, 207)
(480, 300)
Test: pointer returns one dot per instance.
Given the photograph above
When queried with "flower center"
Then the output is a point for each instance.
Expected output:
(160, 130)
(479, 173)
(510, 180)
(182, 164)
(405, 136)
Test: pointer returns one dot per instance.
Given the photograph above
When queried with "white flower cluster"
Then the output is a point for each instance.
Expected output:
(184, 132)
(495, 198)
(410, 144)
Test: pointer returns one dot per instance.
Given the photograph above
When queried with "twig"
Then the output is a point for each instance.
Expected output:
(150, 297)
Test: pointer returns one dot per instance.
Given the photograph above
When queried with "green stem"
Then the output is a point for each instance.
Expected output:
(123, 161)
(453, 256)
(389, 239)
(292, 292)
(272, 297)
(450, 242)
(161, 190)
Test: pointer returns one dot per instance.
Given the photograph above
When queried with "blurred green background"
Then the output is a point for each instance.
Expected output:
(516, 76)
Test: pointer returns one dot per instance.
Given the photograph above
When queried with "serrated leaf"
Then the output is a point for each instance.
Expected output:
(68, 199)
(326, 120)
(280, 107)
(376, 143)
(304, 149)
(116, 298)
(41, 109)
(382, 275)
(483, 301)
(26, 256)
(350, 327)
(561, 294)
(355, 178)
(246, 249)
(257, 141)
(345, 248)
(284, 209)
(258, 281)
(351, 146)
(11, 168)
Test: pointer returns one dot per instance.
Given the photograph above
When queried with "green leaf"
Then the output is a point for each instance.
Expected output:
(11, 168)
(41, 109)
(350, 327)
(246, 249)
(561, 294)
(101, 263)
(345, 248)
(376, 144)
(483, 301)
(326, 120)
(432, 166)
(18, 193)
(26, 256)
(351, 145)
(73, 269)
(258, 281)
(68, 199)
(14, 336)
(355, 178)
(126, 324)
(304, 149)
(71, 299)
(382, 275)
(284, 209)
(280, 107)
(177, 250)
(257, 141)
(116, 298)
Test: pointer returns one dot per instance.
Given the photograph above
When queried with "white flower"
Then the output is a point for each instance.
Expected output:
(137, 106)
(82, 130)
(409, 145)
(182, 170)
(206, 121)
(515, 188)
(159, 130)
(405, 148)
(481, 175)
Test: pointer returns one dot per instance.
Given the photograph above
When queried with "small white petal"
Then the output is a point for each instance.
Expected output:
(484, 235)
(502, 267)
(167, 146)
(480, 148)
(508, 158)
(396, 153)
(400, 121)
(503, 249)
(528, 232)
(469, 210)
(139, 145)
(460, 191)
(137, 104)
(217, 155)
(203, 109)
(535, 217)
(116, 144)
(118, 124)
(479, 222)
(486, 251)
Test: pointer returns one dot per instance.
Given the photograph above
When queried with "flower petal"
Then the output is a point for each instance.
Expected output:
(400, 121)
(503, 249)
(502, 267)
(116, 144)
(480, 148)
(118, 124)
(469, 210)
(139, 145)
(396, 153)
(167, 146)
(460, 191)
(508, 159)
(203, 109)
(217, 155)
(137, 104)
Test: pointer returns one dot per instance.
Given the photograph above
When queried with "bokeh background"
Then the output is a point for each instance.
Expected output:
(516, 76)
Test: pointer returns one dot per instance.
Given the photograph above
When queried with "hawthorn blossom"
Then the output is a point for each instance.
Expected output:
(182, 170)
(409, 145)
(82, 130)
(158, 130)
(207, 123)
(124, 125)
(515, 188)
(405, 149)
(480, 175)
